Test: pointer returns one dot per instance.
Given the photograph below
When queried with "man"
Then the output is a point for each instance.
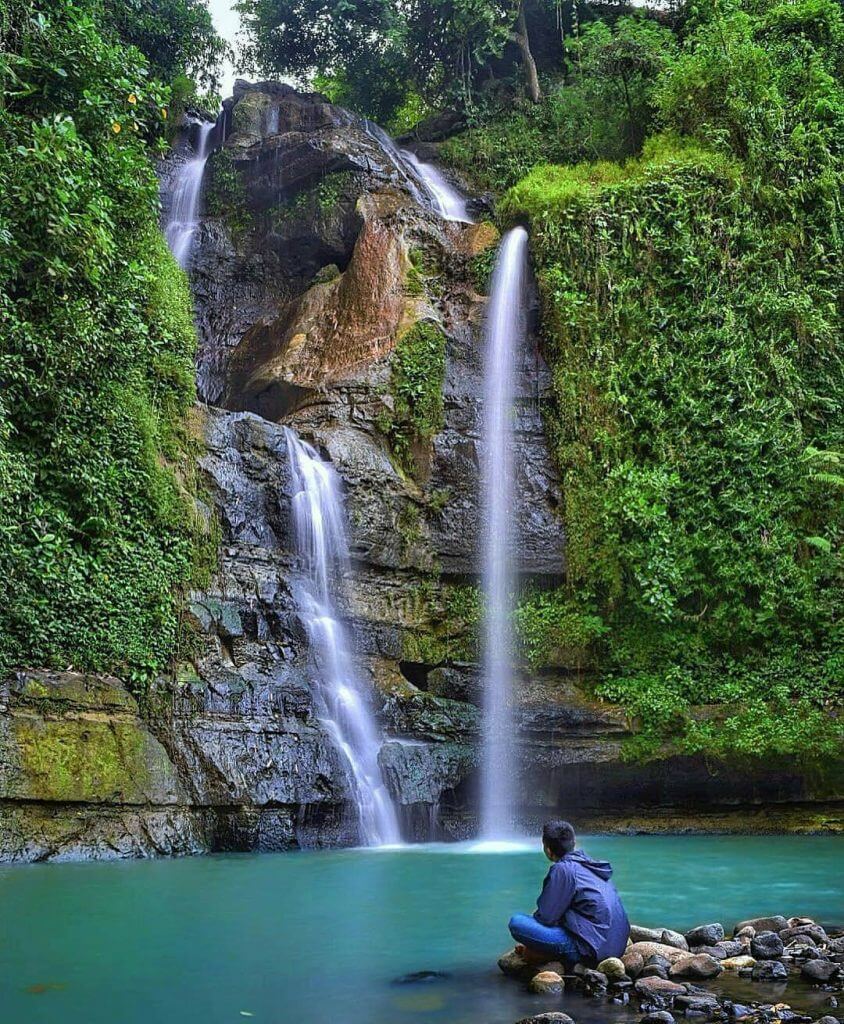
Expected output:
(579, 916)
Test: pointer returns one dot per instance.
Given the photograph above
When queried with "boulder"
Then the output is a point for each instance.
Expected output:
(793, 921)
(705, 935)
(724, 949)
(770, 970)
(746, 933)
(662, 935)
(766, 946)
(828, 1019)
(699, 966)
(658, 1017)
(633, 963)
(647, 949)
(819, 972)
(814, 931)
(836, 945)
(612, 968)
(654, 971)
(763, 924)
(546, 982)
(737, 963)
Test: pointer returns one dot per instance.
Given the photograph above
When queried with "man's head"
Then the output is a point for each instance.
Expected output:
(558, 838)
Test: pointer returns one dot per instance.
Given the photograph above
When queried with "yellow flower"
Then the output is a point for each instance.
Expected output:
(133, 99)
(115, 127)
(164, 113)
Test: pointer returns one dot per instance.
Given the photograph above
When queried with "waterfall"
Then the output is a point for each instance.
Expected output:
(322, 546)
(445, 198)
(184, 208)
(504, 330)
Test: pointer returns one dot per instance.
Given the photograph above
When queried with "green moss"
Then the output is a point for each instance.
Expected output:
(417, 379)
(81, 761)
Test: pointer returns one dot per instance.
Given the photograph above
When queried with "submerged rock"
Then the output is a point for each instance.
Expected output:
(551, 1017)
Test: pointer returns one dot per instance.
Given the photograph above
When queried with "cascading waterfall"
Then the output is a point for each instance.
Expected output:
(445, 198)
(505, 327)
(322, 545)
(184, 209)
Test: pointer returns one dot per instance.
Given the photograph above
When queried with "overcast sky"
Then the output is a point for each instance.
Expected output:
(227, 23)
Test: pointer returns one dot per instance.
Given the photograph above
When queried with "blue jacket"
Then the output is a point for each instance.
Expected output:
(578, 895)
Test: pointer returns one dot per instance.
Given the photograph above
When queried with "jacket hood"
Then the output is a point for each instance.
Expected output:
(602, 868)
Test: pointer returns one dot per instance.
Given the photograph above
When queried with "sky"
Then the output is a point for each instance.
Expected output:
(227, 23)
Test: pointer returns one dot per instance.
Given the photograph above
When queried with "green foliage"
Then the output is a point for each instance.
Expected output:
(418, 375)
(225, 195)
(176, 36)
(599, 112)
(554, 630)
(693, 328)
(98, 528)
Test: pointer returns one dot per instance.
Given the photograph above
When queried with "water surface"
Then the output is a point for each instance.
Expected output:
(312, 938)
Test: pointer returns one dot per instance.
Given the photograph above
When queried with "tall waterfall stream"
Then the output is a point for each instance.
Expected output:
(322, 546)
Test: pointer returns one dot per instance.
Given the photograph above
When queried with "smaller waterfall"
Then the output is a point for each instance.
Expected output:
(445, 198)
(505, 327)
(184, 209)
(323, 548)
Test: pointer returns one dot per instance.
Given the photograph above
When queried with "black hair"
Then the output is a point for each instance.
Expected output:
(558, 836)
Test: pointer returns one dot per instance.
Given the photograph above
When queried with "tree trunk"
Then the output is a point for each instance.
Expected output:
(520, 38)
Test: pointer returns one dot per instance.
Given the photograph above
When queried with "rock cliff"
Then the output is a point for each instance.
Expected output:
(330, 298)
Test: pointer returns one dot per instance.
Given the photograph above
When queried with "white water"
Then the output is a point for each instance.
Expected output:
(184, 209)
(323, 548)
(445, 198)
(504, 330)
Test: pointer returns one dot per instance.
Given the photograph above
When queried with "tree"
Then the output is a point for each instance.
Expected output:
(176, 36)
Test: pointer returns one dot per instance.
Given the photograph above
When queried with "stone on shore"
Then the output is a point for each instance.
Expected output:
(658, 1017)
(633, 963)
(814, 931)
(705, 935)
(766, 946)
(662, 935)
(738, 963)
(546, 983)
(776, 923)
(701, 966)
(647, 949)
(613, 968)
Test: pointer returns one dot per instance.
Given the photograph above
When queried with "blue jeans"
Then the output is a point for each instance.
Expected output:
(556, 942)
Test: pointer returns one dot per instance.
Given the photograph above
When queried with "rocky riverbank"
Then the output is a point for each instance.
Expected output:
(666, 975)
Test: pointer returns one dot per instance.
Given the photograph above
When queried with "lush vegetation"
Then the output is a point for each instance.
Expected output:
(693, 324)
(98, 524)
(598, 111)
(417, 369)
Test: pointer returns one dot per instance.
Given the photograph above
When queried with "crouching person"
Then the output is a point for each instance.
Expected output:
(579, 916)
